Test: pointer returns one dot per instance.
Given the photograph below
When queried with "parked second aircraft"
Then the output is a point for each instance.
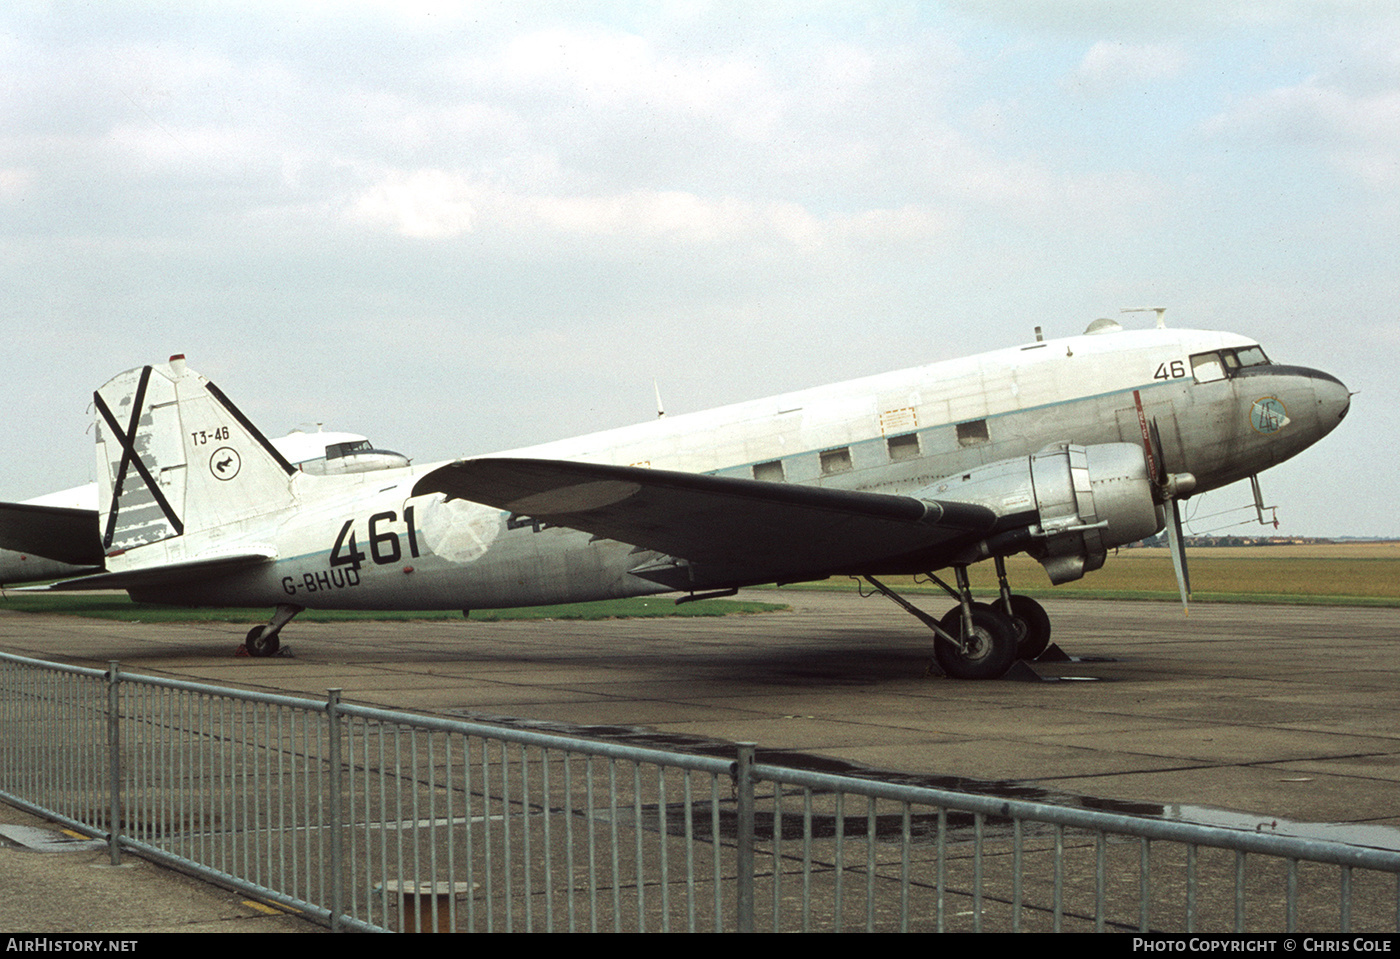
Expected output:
(1063, 449)
(66, 541)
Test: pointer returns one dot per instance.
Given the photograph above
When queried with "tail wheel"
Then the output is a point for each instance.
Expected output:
(988, 651)
(1032, 624)
(260, 643)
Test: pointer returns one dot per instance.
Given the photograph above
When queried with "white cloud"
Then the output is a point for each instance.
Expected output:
(14, 181)
(609, 70)
(1112, 65)
(437, 204)
(1358, 133)
(427, 204)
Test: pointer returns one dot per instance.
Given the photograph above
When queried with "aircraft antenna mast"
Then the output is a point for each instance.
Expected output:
(1159, 310)
(660, 410)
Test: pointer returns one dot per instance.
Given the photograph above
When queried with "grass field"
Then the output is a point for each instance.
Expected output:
(118, 607)
(1340, 574)
(1351, 574)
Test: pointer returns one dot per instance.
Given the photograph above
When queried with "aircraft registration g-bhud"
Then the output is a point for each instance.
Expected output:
(1061, 448)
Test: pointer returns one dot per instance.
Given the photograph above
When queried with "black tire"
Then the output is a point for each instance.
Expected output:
(259, 644)
(1032, 624)
(991, 649)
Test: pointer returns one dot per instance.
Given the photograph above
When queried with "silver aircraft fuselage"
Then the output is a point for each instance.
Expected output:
(1223, 412)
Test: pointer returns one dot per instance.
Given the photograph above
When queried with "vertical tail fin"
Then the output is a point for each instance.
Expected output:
(177, 463)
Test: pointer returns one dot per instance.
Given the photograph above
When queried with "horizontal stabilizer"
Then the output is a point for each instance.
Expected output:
(172, 574)
(53, 532)
(729, 529)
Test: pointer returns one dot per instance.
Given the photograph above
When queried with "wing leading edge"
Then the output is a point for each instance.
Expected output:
(720, 531)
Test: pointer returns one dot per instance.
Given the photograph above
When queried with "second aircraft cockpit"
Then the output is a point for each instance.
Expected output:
(354, 456)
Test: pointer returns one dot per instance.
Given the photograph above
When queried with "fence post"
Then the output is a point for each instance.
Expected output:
(744, 787)
(337, 840)
(114, 763)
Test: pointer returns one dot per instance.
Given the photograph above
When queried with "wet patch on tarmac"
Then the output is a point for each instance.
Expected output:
(924, 827)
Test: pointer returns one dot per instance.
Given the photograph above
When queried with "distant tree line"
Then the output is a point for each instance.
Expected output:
(1160, 540)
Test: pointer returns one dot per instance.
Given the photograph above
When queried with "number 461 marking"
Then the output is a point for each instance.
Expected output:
(384, 544)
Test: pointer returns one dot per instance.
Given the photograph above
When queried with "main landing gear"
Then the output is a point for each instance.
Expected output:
(262, 640)
(981, 640)
(1029, 618)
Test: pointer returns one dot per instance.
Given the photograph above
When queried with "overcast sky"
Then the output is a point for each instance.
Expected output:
(463, 227)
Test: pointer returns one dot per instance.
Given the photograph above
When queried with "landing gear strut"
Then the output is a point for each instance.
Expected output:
(975, 641)
(262, 640)
(1031, 622)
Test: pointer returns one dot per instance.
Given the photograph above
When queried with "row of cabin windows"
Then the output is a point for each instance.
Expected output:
(1215, 365)
(902, 447)
(1206, 367)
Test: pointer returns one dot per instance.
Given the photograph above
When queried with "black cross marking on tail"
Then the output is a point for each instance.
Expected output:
(130, 459)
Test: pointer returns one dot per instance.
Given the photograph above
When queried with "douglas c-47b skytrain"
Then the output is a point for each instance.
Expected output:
(1062, 449)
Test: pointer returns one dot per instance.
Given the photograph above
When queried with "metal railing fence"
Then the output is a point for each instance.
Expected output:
(373, 819)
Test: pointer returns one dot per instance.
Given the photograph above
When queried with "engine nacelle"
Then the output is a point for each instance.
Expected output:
(1066, 505)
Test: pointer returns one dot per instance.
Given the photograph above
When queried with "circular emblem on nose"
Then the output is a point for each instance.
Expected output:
(1268, 415)
(225, 464)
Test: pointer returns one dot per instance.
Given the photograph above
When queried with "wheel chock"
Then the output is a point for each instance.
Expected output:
(1021, 672)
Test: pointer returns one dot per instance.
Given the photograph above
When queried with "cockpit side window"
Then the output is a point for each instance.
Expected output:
(1207, 367)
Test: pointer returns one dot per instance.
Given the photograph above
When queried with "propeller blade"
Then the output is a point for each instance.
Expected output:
(1155, 449)
(1177, 544)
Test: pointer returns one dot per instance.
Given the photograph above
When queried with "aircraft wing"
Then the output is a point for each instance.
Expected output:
(59, 533)
(727, 531)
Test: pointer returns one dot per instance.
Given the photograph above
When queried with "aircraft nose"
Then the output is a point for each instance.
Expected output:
(1333, 400)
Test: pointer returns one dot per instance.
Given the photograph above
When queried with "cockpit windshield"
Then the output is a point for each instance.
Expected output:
(1252, 356)
(1219, 364)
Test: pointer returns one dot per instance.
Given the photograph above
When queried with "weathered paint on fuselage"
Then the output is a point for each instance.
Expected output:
(362, 542)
